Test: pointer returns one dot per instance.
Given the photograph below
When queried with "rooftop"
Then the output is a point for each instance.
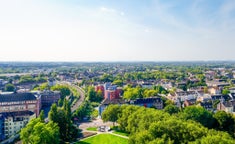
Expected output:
(17, 97)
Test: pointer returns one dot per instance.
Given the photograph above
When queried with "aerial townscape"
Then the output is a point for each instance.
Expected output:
(126, 102)
(117, 72)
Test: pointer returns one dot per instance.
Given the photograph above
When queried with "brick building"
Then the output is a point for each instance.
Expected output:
(17, 102)
(49, 97)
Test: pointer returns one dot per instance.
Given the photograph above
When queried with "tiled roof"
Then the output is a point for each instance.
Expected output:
(147, 100)
(113, 101)
(17, 97)
(218, 97)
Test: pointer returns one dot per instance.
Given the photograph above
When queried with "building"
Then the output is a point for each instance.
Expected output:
(109, 91)
(189, 102)
(106, 102)
(207, 105)
(17, 102)
(49, 97)
(214, 90)
(51, 82)
(186, 95)
(227, 106)
(2, 135)
(204, 98)
(219, 97)
(154, 102)
(112, 94)
(13, 122)
(100, 88)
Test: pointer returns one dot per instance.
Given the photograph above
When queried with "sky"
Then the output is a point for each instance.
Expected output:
(117, 30)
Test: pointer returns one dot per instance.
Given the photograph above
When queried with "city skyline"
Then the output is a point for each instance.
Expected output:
(117, 30)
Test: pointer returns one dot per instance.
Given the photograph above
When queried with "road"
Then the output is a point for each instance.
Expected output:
(81, 98)
(80, 90)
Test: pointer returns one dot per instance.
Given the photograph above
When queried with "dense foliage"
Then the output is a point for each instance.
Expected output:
(84, 110)
(39, 132)
(64, 90)
(62, 116)
(138, 92)
(150, 126)
(9, 87)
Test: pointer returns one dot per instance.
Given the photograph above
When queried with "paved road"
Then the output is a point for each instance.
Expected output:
(81, 98)
(94, 123)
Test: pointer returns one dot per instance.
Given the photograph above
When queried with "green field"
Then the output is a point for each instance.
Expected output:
(104, 139)
(121, 133)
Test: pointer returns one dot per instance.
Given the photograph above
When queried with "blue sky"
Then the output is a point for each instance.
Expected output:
(111, 30)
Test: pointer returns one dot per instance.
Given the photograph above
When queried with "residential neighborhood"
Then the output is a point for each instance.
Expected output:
(24, 95)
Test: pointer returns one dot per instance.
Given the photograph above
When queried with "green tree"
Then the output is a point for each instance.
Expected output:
(9, 87)
(62, 116)
(171, 109)
(225, 122)
(215, 137)
(111, 113)
(198, 114)
(26, 79)
(225, 91)
(84, 110)
(42, 116)
(53, 114)
(37, 132)
(64, 90)
(94, 96)
(118, 82)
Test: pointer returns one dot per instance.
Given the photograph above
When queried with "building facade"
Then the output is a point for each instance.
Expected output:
(154, 102)
(13, 122)
(17, 102)
(49, 97)
(109, 91)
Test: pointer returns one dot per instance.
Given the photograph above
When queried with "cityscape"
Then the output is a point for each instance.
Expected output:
(117, 72)
(76, 101)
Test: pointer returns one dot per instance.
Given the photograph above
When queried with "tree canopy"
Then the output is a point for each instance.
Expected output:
(38, 132)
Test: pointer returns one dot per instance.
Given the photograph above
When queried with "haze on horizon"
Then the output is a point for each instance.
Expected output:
(110, 30)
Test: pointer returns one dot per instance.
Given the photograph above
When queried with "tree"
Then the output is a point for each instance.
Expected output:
(198, 114)
(9, 87)
(168, 131)
(44, 86)
(53, 114)
(118, 82)
(84, 110)
(215, 103)
(171, 109)
(38, 132)
(92, 95)
(62, 116)
(42, 116)
(133, 93)
(225, 91)
(60, 102)
(215, 137)
(111, 113)
(106, 78)
(225, 122)
(26, 79)
(64, 90)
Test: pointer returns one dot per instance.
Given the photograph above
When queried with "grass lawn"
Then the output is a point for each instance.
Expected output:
(92, 129)
(121, 133)
(104, 139)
